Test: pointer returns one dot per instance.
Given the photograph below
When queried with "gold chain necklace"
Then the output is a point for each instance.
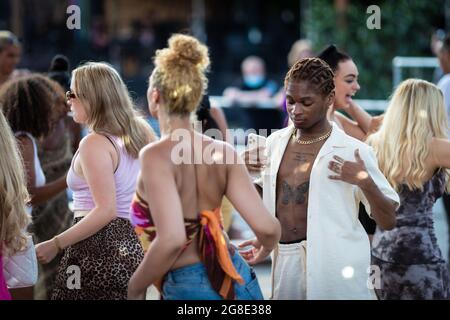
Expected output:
(326, 135)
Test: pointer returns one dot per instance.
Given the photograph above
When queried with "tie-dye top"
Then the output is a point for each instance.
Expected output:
(213, 246)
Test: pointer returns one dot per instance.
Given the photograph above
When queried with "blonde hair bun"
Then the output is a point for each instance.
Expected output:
(180, 73)
(183, 52)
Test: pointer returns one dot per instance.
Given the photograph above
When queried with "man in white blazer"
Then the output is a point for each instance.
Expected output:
(313, 181)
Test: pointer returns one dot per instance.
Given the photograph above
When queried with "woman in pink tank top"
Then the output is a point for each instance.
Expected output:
(101, 244)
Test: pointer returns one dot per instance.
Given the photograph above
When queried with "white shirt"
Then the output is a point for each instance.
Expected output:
(338, 248)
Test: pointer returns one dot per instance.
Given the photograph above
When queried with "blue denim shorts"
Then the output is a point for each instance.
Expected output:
(191, 283)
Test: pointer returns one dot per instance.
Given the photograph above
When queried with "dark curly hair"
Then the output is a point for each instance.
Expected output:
(313, 70)
(28, 104)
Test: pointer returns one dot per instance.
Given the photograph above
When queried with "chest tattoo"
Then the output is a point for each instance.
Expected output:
(296, 194)
(303, 157)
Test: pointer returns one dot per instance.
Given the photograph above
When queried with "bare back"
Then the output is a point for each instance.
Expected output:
(200, 186)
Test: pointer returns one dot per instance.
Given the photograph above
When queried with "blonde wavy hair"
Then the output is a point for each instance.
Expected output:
(109, 107)
(179, 74)
(414, 116)
(13, 192)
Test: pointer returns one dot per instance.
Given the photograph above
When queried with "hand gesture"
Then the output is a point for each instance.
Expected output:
(348, 171)
(256, 254)
(254, 159)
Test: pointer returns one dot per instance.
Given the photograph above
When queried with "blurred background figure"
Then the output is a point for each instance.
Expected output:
(10, 53)
(300, 49)
(212, 118)
(59, 71)
(255, 88)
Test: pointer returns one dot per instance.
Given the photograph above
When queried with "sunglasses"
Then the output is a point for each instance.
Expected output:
(70, 95)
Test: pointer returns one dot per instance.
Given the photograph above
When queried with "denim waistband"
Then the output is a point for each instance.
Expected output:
(196, 268)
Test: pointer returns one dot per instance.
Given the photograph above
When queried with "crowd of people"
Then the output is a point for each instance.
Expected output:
(341, 203)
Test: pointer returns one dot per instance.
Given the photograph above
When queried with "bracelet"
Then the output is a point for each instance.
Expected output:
(57, 243)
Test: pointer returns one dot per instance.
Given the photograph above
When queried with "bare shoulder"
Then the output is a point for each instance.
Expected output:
(440, 150)
(438, 143)
(150, 150)
(154, 155)
(94, 143)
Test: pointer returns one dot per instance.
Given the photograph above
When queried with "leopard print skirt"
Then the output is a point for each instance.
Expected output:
(99, 267)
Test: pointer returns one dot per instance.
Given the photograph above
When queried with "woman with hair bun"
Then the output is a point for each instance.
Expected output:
(363, 124)
(346, 86)
(176, 209)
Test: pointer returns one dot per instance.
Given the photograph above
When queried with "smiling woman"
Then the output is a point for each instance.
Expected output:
(346, 83)
(346, 86)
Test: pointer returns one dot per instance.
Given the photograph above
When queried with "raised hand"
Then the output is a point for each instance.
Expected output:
(348, 171)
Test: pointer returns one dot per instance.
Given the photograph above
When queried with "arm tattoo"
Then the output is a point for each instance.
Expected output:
(297, 194)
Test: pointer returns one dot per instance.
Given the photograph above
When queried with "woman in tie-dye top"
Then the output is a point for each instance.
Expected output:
(188, 255)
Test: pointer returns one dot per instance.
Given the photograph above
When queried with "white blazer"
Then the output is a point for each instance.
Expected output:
(338, 248)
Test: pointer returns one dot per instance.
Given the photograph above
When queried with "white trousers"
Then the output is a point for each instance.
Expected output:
(289, 272)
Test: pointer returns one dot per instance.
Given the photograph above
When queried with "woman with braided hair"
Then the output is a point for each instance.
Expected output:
(313, 181)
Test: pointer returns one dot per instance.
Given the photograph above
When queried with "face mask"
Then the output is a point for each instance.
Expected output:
(253, 81)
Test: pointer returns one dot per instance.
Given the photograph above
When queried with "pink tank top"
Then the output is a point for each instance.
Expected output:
(4, 293)
(125, 178)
